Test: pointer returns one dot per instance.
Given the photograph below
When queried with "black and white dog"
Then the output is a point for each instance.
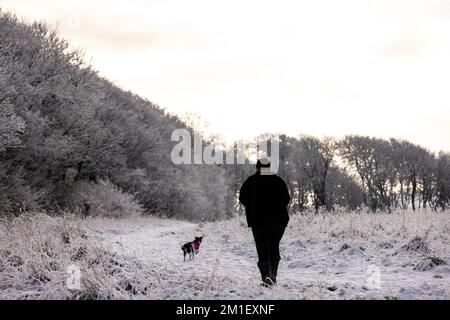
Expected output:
(192, 248)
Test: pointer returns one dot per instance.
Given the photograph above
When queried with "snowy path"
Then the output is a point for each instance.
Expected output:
(315, 264)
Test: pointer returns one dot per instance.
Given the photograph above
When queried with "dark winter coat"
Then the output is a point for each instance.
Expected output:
(265, 198)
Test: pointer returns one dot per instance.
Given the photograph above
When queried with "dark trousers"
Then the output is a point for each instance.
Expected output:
(267, 240)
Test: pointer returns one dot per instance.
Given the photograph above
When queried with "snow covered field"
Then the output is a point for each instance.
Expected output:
(345, 256)
(340, 256)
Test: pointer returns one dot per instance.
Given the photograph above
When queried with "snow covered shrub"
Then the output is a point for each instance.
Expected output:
(352, 249)
(201, 194)
(103, 199)
(429, 263)
(15, 194)
(416, 245)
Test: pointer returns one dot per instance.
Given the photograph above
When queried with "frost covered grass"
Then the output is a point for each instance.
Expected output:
(36, 250)
(402, 255)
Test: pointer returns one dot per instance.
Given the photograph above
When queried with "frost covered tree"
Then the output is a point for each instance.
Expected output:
(76, 128)
(372, 159)
(443, 181)
(414, 166)
(12, 127)
(315, 158)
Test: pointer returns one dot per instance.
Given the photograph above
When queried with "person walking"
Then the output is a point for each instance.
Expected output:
(266, 198)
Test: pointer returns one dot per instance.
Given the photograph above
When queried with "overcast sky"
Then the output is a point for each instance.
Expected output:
(321, 67)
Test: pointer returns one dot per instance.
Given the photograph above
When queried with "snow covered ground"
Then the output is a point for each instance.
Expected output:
(404, 255)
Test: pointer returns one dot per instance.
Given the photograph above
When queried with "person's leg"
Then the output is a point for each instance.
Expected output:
(275, 238)
(262, 241)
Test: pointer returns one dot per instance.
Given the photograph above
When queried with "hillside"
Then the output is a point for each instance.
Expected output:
(71, 140)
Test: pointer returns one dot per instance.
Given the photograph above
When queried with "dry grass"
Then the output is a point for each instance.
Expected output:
(36, 250)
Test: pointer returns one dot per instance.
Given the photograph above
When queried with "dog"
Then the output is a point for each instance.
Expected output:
(192, 248)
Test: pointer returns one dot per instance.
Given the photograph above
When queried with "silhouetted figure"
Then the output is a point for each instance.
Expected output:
(266, 197)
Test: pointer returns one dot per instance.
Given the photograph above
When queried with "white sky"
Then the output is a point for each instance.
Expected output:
(321, 67)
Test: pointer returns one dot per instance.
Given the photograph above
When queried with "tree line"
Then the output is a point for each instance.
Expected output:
(359, 171)
(72, 141)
